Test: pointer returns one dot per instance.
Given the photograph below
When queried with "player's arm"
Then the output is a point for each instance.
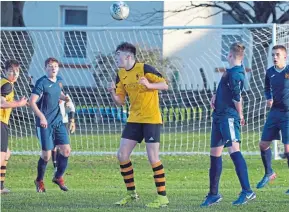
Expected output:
(71, 114)
(6, 89)
(36, 93)
(63, 97)
(236, 85)
(153, 79)
(268, 91)
(71, 108)
(117, 92)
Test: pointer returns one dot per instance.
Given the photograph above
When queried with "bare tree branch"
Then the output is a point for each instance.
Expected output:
(261, 11)
(283, 18)
(242, 13)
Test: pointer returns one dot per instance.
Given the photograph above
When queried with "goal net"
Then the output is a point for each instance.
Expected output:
(192, 59)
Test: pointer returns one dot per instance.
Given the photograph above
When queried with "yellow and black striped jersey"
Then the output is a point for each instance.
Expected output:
(8, 93)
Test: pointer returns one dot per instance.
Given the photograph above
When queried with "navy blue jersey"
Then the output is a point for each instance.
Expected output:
(48, 103)
(277, 88)
(229, 90)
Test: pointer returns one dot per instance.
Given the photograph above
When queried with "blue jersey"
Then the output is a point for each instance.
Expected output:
(228, 91)
(277, 88)
(48, 103)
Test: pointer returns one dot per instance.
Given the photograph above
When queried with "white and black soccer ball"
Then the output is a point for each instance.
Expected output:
(119, 10)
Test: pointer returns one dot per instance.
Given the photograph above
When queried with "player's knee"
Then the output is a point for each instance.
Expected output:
(8, 154)
(122, 156)
(264, 145)
(66, 152)
(46, 157)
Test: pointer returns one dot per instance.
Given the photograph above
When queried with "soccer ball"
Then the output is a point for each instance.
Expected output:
(119, 10)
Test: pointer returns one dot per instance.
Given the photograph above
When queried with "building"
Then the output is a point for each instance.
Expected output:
(189, 49)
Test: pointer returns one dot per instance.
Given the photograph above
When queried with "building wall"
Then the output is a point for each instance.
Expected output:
(47, 44)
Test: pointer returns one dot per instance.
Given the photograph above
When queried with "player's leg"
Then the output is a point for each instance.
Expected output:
(284, 126)
(242, 172)
(152, 138)
(230, 129)
(217, 145)
(131, 135)
(286, 148)
(45, 137)
(5, 154)
(62, 141)
(270, 133)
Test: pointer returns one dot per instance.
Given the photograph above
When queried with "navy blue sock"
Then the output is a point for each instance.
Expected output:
(267, 158)
(215, 174)
(241, 170)
(287, 156)
(61, 165)
(41, 169)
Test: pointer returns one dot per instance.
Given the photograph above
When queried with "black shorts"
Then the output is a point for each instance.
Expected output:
(139, 131)
(4, 137)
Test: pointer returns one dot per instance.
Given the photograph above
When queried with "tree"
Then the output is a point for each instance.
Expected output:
(243, 12)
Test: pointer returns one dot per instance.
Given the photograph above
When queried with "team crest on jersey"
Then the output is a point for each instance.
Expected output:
(287, 76)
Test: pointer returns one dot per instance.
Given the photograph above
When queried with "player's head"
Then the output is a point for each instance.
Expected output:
(125, 55)
(12, 69)
(279, 55)
(51, 67)
(236, 53)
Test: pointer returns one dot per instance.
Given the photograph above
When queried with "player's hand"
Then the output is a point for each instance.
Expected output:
(67, 99)
(110, 87)
(144, 81)
(242, 121)
(213, 99)
(43, 122)
(71, 126)
(22, 102)
(269, 103)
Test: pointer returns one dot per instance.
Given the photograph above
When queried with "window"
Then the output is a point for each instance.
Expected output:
(230, 36)
(75, 42)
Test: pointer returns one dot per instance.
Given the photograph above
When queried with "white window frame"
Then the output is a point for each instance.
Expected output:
(71, 60)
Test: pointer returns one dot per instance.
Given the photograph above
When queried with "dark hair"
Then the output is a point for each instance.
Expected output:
(237, 49)
(126, 47)
(279, 47)
(50, 60)
(11, 63)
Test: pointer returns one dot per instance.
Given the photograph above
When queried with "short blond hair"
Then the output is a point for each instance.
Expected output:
(238, 50)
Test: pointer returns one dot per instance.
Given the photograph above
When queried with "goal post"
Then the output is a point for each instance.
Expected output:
(192, 58)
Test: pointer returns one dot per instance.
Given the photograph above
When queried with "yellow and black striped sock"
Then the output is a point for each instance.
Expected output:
(159, 176)
(126, 170)
(3, 173)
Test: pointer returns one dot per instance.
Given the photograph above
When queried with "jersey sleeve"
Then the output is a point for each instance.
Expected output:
(236, 84)
(120, 90)
(38, 88)
(6, 89)
(152, 74)
(267, 88)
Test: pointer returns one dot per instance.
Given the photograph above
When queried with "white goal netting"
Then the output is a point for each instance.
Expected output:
(191, 58)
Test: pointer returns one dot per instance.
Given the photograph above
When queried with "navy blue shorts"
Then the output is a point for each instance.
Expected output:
(276, 122)
(52, 135)
(225, 131)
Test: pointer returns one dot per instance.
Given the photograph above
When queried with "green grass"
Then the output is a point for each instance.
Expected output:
(109, 142)
(95, 184)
